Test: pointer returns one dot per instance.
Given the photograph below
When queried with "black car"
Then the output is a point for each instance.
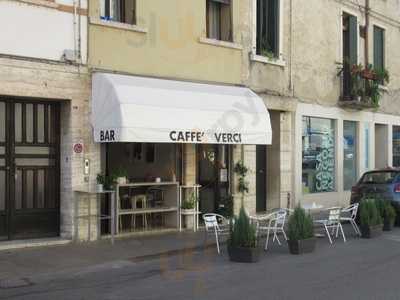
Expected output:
(384, 183)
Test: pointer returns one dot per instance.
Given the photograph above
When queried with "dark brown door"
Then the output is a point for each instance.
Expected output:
(29, 169)
(261, 178)
(213, 176)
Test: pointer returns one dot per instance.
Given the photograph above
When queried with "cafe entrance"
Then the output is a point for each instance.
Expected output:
(29, 169)
(213, 176)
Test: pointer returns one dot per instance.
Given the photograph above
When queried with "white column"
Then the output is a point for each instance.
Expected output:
(339, 155)
(390, 144)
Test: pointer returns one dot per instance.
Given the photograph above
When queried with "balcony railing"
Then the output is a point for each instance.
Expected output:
(360, 88)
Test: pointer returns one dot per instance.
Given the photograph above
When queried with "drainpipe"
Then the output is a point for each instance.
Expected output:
(79, 31)
(291, 88)
(75, 32)
(366, 45)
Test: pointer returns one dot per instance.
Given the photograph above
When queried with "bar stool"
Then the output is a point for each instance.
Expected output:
(155, 197)
(139, 202)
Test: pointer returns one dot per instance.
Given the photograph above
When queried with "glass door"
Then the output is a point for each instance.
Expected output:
(213, 176)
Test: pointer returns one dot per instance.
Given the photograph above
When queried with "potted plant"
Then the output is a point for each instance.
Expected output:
(370, 219)
(301, 232)
(242, 243)
(100, 183)
(120, 175)
(388, 214)
(241, 170)
(105, 183)
(188, 210)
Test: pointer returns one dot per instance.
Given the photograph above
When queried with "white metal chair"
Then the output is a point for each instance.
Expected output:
(350, 215)
(217, 225)
(275, 222)
(332, 222)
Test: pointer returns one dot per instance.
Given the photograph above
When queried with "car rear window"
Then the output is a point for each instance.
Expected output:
(379, 177)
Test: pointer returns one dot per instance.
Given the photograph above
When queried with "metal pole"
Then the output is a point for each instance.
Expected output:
(112, 215)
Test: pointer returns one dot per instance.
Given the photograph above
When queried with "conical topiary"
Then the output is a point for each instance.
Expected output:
(243, 233)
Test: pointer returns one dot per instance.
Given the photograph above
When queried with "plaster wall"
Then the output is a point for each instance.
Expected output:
(169, 40)
(42, 29)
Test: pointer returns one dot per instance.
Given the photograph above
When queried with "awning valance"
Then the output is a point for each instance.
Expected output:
(138, 109)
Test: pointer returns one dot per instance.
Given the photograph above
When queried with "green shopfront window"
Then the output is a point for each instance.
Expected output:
(318, 138)
(349, 154)
(396, 146)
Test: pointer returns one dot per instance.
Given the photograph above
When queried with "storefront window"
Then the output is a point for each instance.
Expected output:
(318, 139)
(349, 154)
(396, 146)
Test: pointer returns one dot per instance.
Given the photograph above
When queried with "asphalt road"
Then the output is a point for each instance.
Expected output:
(358, 269)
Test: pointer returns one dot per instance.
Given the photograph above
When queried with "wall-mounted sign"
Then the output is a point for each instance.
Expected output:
(203, 137)
(175, 136)
(78, 148)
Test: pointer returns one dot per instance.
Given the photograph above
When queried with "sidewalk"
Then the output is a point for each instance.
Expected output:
(51, 261)
(23, 263)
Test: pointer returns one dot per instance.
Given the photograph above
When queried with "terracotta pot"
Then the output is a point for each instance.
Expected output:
(367, 74)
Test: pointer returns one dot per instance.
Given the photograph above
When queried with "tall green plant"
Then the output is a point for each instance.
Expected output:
(389, 212)
(242, 170)
(243, 233)
(300, 225)
(369, 214)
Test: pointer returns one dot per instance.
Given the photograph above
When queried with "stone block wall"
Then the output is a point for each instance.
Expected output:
(70, 85)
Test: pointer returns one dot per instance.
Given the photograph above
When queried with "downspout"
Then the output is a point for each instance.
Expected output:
(366, 44)
(291, 88)
(79, 31)
(75, 33)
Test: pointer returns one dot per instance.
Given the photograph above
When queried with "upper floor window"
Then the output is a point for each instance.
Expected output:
(349, 51)
(379, 48)
(267, 40)
(219, 20)
(123, 11)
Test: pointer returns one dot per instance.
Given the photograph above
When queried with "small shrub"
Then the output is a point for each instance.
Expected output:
(107, 181)
(385, 209)
(300, 225)
(243, 233)
(389, 212)
(120, 172)
(369, 214)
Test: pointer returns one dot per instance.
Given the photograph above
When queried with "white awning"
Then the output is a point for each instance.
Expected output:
(138, 109)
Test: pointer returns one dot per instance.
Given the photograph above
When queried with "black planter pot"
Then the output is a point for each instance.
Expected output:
(368, 232)
(387, 224)
(302, 246)
(245, 255)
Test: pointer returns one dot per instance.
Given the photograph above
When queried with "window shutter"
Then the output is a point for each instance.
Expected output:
(378, 48)
(273, 26)
(353, 43)
(260, 24)
(276, 10)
